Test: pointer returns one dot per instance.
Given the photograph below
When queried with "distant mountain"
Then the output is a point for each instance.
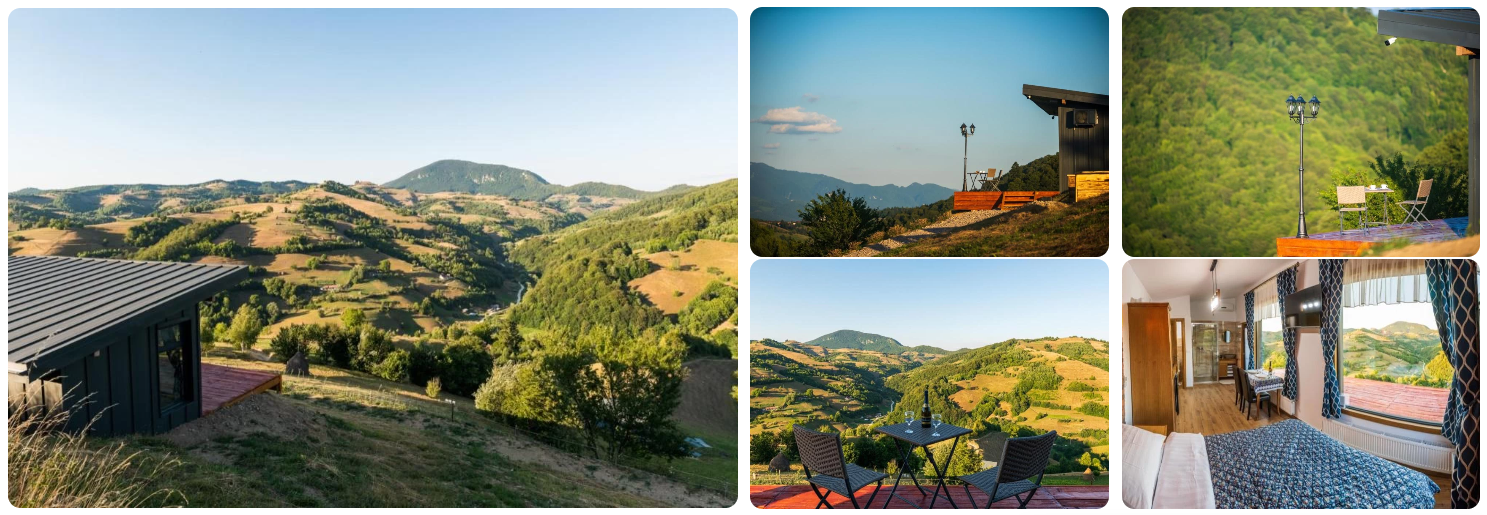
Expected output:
(849, 339)
(1400, 349)
(466, 177)
(779, 194)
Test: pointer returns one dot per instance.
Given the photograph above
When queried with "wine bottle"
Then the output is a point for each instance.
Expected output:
(924, 415)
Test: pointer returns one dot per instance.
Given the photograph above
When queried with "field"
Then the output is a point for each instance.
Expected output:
(688, 272)
(342, 438)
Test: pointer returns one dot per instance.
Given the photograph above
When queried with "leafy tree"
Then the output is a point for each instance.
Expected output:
(1439, 369)
(395, 367)
(834, 221)
(466, 365)
(353, 318)
(245, 327)
(375, 346)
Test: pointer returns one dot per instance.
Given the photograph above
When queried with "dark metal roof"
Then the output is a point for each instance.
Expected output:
(1049, 99)
(63, 307)
(1459, 27)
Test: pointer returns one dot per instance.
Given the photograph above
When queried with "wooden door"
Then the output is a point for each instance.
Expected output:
(1151, 362)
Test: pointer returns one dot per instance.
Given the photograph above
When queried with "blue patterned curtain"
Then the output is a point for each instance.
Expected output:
(1331, 282)
(1453, 295)
(1249, 331)
(1285, 285)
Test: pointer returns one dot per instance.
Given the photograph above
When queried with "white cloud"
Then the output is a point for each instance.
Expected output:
(771, 145)
(792, 120)
(810, 98)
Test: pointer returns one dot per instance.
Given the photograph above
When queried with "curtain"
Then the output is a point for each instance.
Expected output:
(1370, 282)
(1453, 288)
(1331, 282)
(1285, 284)
(1267, 304)
(1249, 331)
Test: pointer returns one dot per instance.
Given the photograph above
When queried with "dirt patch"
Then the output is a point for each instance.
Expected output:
(263, 413)
(949, 225)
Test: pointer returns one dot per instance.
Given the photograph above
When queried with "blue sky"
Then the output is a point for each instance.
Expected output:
(645, 98)
(877, 96)
(948, 303)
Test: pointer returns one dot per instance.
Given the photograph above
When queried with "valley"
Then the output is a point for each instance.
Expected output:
(482, 295)
(859, 381)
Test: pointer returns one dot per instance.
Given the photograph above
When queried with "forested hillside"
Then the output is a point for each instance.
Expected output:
(1209, 160)
(452, 175)
(849, 339)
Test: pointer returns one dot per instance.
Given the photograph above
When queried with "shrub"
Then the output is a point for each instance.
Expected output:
(395, 367)
(466, 366)
(433, 388)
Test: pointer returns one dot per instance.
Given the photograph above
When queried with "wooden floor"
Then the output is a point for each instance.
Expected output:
(1048, 497)
(224, 386)
(1416, 402)
(1209, 409)
(1354, 241)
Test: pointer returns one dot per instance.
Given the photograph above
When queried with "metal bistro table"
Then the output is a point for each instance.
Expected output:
(922, 437)
(1369, 191)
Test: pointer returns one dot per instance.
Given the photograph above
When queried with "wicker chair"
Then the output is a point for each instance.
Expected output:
(1354, 196)
(1415, 209)
(1022, 459)
(821, 453)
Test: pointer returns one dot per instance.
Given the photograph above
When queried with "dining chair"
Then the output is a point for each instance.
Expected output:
(1352, 196)
(822, 453)
(1018, 470)
(1414, 210)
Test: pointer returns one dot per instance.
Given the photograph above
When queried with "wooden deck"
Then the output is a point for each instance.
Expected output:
(224, 386)
(1006, 200)
(1354, 241)
(1416, 402)
(1048, 497)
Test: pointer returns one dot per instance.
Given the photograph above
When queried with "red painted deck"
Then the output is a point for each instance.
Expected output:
(1354, 241)
(1006, 200)
(801, 497)
(1416, 402)
(224, 386)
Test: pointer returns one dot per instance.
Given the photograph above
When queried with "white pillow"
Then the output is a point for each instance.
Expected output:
(1141, 460)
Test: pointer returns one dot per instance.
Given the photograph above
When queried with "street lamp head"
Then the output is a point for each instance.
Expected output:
(1290, 105)
(1316, 105)
(973, 129)
(963, 130)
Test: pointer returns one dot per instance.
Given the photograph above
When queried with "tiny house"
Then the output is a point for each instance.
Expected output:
(111, 342)
(1083, 128)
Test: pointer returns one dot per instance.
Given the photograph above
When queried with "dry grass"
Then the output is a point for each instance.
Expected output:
(50, 468)
(690, 275)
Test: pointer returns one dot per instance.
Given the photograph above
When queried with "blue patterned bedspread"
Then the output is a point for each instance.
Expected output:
(1293, 465)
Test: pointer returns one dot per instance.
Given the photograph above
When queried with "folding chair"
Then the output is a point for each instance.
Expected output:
(822, 453)
(1352, 195)
(1415, 209)
(1021, 459)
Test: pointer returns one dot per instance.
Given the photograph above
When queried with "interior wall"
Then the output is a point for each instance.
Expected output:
(1131, 290)
(1182, 308)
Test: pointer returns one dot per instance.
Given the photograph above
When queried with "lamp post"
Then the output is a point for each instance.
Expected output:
(1296, 108)
(966, 133)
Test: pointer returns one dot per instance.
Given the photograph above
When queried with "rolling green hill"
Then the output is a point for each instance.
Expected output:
(849, 339)
(452, 175)
(1022, 387)
(1209, 155)
(1399, 350)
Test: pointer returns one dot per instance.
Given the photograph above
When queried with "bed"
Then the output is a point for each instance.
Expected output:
(1284, 465)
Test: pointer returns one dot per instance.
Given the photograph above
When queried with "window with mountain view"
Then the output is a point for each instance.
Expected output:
(1392, 362)
(1272, 348)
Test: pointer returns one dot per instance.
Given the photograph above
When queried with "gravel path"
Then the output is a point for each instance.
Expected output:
(955, 223)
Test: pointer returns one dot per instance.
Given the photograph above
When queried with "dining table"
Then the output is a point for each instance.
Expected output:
(909, 436)
(1377, 189)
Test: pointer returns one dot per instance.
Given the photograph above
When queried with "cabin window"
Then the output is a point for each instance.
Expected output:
(1270, 346)
(170, 355)
(1390, 355)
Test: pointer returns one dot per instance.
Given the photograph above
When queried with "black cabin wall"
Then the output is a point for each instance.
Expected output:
(1082, 149)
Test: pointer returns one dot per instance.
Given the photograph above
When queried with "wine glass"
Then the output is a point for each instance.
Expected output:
(935, 419)
(908, 422)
